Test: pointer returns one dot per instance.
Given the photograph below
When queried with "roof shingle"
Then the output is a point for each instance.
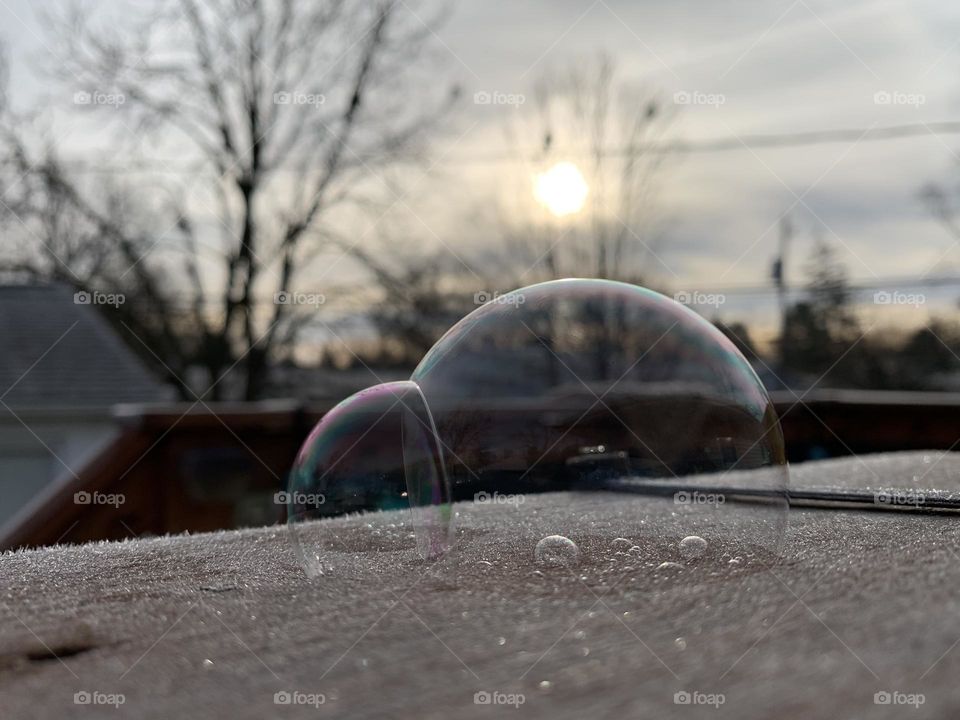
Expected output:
(56, 353)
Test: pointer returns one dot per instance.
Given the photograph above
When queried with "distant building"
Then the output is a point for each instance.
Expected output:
(62, 369)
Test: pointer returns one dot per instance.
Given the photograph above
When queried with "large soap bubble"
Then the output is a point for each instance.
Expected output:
(605, 392)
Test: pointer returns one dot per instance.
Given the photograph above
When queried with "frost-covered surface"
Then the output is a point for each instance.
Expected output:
(215, 625)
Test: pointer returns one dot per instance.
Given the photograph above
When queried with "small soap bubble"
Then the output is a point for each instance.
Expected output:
(621, 544)
(692, 547)
(556, 551)
(669, 566)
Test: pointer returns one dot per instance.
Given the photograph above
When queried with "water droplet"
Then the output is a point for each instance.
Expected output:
(680, 643)
(208, 663)
(484, 565)
(692, 547)
(579, 635)
(635, 550)
(585, 651)
(621, 544)
(734, 561)
(545, 685)
(501, 641)
(669, 566)
(537, 574)
(556, 551)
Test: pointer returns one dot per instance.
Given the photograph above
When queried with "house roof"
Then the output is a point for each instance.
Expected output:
(57, 353)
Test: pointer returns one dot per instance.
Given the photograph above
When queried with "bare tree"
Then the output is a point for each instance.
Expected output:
(582, 112)
(579, 111)
(282, 111)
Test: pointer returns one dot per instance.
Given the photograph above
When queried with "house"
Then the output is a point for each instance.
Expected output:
(62, 370)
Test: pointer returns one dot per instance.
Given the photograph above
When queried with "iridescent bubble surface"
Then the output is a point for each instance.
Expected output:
(376, 450)
(632, 407)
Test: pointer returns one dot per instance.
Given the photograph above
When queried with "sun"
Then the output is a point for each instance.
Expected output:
(561, 189)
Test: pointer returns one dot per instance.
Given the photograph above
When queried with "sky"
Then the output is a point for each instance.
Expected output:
(750, 67)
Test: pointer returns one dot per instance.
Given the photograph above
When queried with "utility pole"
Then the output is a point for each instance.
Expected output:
(779, 276)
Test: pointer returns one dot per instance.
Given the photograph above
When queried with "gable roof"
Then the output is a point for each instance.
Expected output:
(56, 353)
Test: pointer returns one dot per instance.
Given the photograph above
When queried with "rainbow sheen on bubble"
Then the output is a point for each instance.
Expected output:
(376, 450)
(603, 391)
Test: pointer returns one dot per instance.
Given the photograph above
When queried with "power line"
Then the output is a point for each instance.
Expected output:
(888, 283)
(759, 140)
(728, 143)
(335, 292)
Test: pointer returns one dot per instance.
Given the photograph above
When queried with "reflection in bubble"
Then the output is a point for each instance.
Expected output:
(595, 389)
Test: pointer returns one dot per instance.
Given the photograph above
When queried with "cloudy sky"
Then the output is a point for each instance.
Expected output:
(758, 67)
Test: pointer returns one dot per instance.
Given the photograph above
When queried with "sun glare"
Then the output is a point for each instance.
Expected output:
(561, 189)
